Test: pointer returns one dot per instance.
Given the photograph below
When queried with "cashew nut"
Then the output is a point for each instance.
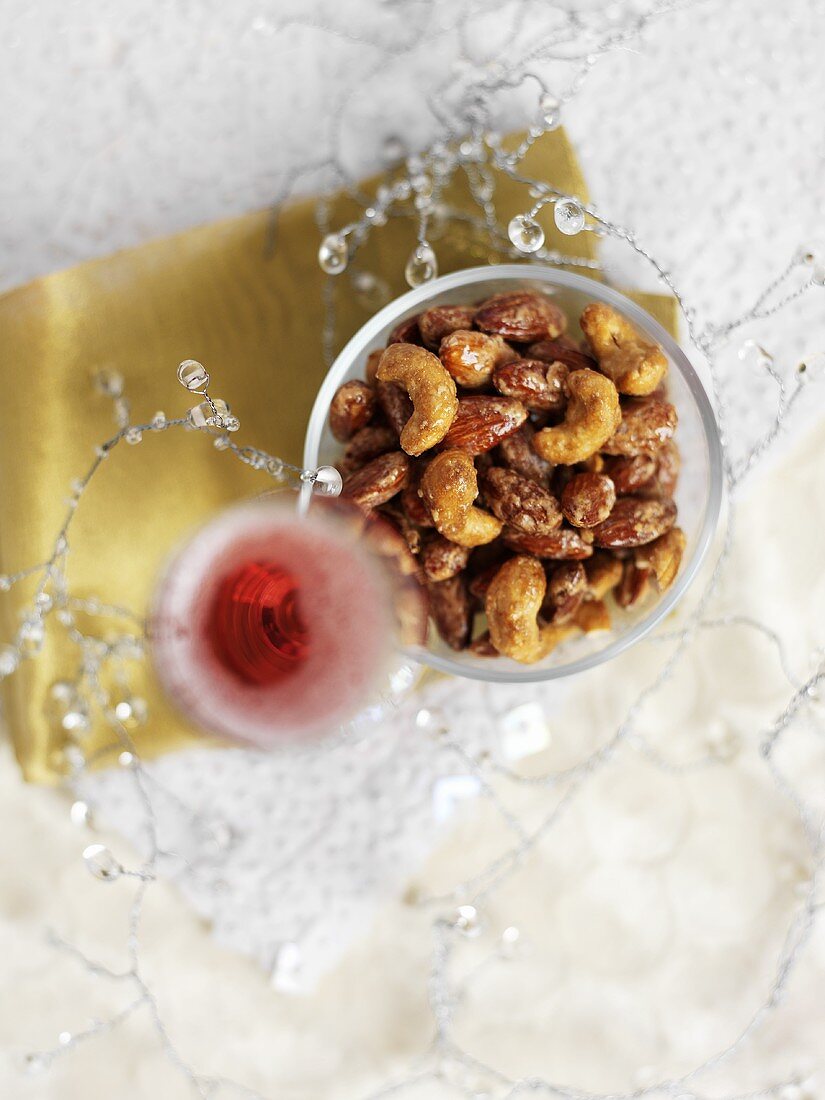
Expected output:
(634, 364)
(449, 486)
(512, 603)
(591, 418)
(431, 390)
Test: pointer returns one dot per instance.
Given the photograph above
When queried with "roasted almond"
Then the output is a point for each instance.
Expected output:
(405, 332)
(541, 386)
(563, 350)
(635, 521)
(366, 445)
(646, 425)
(471, 357)
(565, 544)
(516, 452)
(520, 502)
(395, 405)
(587, 499)
(351, 409)
(481, 422)
(442, 559)
(566, 590)
(629, 473)
(436, 323)
(450, 609)
(378, 481)
(521, 315)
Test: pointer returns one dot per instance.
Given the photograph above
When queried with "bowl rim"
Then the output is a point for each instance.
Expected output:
(544, 273)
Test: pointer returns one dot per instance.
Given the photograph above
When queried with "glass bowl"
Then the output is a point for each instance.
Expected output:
(698, 496)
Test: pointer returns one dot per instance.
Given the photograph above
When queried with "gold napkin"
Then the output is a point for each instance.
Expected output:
(245, 297)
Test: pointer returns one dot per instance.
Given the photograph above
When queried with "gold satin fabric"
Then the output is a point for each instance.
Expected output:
(245, 297)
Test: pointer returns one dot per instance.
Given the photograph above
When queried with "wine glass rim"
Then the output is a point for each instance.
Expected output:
(542, 273)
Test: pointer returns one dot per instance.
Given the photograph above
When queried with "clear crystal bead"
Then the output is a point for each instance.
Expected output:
(467, 921)
(5, 583)
(328, 482)
(30, 637)
(73, 757)
(101, 863)
(550, 111)
(208, 415)
(8, 660)
(159, 421)
(193, 376)
(422, 265)
(818, 275)
(75, 720)
(126, 759)
(80, 814)
(430, 720)
(133, 435)
(510, 941)
(286, 969)
(333, 255)
(109, 382)
(754, 354)
(569, 217)
(525, 233)
(131, 712)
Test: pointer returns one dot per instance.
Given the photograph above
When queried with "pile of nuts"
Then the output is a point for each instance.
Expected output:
(530, 475)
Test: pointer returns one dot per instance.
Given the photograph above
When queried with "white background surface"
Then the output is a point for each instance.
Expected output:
(658, 912)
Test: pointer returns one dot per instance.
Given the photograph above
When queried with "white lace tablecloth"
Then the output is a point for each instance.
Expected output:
(655, 913)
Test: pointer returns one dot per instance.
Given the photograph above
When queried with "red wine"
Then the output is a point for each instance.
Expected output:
(268, 625)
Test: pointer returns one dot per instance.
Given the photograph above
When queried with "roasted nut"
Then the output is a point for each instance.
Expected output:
(482, 646)
(480, 582)
(395, 405)
(351, 409)
(513, 602)
(663, 557)
(668, 463)
(521, 315)
(481, 422)
(520, 502)
(633, 587)
(537, 385)
(647, 424)
(565, 544)
(405, 332)
(471, 357)
(634, 364)
(450, 609)
(564, 351)
(436, 323)
(566, 589)
(442, 559)
(395, 516)
(386, 539)
(593, 615)
(635, 521)
(629, 475)
(449, 486)
(517, 453)
(412, 505)
(378, 481)
(603, 574)
(587, 499)
(431, 390)
(591, 418)
(373, 359)
(369, 443)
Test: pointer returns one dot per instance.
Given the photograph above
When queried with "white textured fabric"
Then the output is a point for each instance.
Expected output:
(657, 909)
